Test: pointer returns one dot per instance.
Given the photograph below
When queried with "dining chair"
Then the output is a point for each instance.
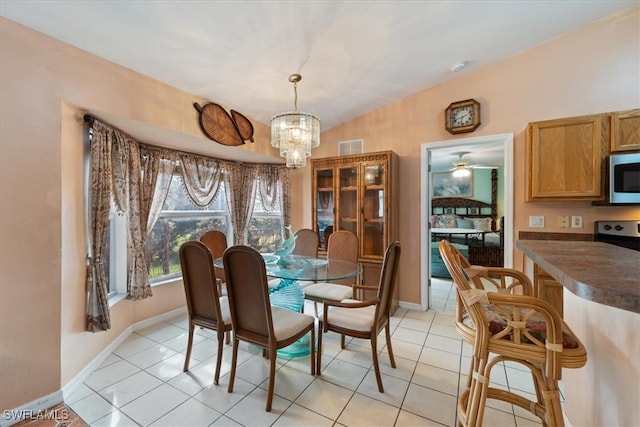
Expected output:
(205, 306)
(216, 241)
(343, 245)
(497, 314)
(364, 319)
(307, 242)
(253, 318)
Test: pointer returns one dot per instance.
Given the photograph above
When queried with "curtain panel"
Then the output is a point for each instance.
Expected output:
(240, 180)
(137, 177)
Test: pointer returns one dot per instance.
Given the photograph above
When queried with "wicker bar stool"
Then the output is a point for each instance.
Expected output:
(498, 316)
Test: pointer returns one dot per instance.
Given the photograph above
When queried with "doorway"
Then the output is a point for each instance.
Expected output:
(429, 152)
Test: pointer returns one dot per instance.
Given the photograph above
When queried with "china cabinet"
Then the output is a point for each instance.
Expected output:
(357, 193)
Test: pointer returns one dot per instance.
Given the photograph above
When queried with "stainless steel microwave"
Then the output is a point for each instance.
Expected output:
(624, 178)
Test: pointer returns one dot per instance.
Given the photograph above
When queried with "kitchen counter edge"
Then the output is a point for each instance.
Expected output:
(594, 271)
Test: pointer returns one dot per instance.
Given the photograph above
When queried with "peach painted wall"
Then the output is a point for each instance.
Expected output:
(44, 82)
(45, 86)
(594, 69)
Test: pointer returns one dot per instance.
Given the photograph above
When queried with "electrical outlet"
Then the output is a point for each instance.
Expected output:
(563, 221)
(536, 221)
(576, 221)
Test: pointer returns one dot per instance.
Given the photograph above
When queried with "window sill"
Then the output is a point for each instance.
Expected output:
(167, 281)
(115, 299)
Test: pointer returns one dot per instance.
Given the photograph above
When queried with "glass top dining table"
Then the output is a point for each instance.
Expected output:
(293, 269)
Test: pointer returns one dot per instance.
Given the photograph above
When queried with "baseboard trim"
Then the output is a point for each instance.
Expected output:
(28, 410)
(12, 416)
(410, 306)
(82, 376)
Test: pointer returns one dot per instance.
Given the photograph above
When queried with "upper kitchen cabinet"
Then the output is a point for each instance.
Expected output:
(565, 158)
(625, 130)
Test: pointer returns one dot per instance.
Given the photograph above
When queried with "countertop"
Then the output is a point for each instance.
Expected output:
(595, 271)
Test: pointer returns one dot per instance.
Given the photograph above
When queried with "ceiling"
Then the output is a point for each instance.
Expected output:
(354, 56)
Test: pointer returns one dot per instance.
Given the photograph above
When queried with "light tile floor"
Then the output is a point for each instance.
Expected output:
(142, 382)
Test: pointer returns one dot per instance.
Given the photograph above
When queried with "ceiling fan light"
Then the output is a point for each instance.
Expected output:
(461, 172)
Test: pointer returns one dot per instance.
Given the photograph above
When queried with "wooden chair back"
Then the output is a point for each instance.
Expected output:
(388, 283)
(216, 241)
(307, 242)
(343, 245)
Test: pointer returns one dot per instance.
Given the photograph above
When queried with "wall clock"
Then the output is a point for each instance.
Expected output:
(462, 116)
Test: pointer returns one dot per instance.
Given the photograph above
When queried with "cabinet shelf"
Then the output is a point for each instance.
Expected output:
(348, 188)
(325, 190)
(374, 187)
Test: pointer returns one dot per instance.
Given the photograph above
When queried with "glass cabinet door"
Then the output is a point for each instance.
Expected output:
(348, 198)
(325, 202)
(373, 210)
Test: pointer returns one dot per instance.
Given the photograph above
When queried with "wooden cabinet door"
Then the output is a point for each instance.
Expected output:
(324, 203)
(374, 209)
(566, 158)
(348, 208)
(625, 130)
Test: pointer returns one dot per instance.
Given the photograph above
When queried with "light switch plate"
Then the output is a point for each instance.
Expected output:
(536, 221)
(576, 221)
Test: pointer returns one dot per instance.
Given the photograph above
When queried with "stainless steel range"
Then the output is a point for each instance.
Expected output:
(619, 233)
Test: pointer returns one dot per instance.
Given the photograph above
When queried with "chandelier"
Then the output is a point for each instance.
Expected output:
(294, 133)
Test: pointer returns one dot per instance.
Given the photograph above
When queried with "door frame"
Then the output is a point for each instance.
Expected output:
(426, 151)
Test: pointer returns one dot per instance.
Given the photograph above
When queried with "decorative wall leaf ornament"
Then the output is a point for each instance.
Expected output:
(221, 127)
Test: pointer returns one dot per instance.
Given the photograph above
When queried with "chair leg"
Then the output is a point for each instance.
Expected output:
(272, 375)
(342, 342)
(216, 377)
(234, 359)
(227, 337)
(374, 356)
(319, 354)
(392, 360)
(313, 349)
(189, 343)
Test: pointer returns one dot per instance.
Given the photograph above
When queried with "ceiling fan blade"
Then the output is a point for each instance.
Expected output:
(483, 167)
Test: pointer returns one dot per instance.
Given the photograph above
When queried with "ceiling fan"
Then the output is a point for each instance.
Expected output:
(462, 169)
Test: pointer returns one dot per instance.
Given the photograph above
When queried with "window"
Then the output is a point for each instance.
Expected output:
(265, 227)
(115, 254)
(179, 222)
